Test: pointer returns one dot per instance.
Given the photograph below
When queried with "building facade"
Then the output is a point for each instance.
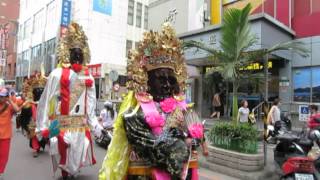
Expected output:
(106, 24)
(184, 15)
(9, 12)
(292, 78)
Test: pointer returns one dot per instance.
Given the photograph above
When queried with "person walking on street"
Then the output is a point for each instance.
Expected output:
(274, 114)
(216, 102)
(7, 109)
(243, 113)
(108, 115)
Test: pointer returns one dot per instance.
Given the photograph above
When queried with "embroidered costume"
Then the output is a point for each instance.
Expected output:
(68, 106)
(32, 90)
(154, 129)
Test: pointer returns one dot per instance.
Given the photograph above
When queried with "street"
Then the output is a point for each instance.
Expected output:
(22, 165)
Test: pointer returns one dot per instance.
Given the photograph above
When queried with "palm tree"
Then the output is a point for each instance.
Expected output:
(236, 52)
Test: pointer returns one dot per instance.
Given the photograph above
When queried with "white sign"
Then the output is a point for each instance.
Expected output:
(2, 62)
(304, 113)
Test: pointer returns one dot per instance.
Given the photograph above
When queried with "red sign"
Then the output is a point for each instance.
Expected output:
(95, 70)
(63, 31)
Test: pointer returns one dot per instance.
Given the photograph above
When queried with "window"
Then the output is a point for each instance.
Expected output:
(38, 21)
(130, 12)
(306, 84)
(21, 32)
(27, 29)
(52, 14)
(139, 15)
(146, 13)
(128, 47)
(136, 44)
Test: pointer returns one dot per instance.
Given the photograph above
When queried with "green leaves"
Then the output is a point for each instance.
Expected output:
(240, 138)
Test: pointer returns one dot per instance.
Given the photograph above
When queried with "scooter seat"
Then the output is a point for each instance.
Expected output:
(289, 137)
(305, 142)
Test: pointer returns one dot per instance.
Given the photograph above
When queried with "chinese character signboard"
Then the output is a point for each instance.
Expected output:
(303, 113)
(66, 13)
(103, 6)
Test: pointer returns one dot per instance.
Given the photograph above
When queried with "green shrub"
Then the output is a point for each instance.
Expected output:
(237, 137)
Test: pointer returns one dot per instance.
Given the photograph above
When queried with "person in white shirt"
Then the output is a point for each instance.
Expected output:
(108, 115)
(243, 113)
(274, 114)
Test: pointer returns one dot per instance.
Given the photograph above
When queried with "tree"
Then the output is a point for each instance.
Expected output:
(236, 49)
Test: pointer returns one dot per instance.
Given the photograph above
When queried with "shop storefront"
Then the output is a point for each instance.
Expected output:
(269, 33)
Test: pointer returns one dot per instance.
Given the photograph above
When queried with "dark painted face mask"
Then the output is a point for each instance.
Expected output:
(162, 83)
(37, 93)
(76, 56)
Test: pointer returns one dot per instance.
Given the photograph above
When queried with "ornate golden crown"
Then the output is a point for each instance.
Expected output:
(74, 38)
(35, 81)
(156, 50)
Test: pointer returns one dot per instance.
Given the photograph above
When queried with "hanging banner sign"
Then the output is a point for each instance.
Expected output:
(66, 13)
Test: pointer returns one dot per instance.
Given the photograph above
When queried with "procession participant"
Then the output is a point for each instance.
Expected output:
(32, 90)
(7, 109)
(68, 106)
(154, 130)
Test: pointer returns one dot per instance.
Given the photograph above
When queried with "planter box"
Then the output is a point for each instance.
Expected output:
(236, 160)
(243, 146)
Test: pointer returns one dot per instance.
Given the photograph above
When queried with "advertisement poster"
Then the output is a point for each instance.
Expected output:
(103, 6)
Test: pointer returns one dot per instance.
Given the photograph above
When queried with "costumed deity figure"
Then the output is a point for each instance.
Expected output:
(32, 90)
(68, 106)
(154, 130)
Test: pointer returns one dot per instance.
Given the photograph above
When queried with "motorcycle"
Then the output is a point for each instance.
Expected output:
(291, 152)
(105, 138)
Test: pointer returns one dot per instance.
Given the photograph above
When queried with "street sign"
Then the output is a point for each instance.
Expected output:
(66, 13)
(113, 75)
(303, 113)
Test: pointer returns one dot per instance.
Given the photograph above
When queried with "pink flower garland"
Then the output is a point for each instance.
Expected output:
(196, 130)
(168, 105)
(156, 122)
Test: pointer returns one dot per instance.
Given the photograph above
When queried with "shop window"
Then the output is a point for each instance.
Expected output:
(316, 84)
(306, 84)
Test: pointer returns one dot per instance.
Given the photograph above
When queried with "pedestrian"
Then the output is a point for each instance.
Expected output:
(217, 105)
(314, 124)
(243, 112)
(7, 109)
(274, 114)
(313, 109)
(107, 115)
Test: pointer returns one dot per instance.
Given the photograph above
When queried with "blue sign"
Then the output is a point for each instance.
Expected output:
(66, 13)
(304, 110)
(103, 6)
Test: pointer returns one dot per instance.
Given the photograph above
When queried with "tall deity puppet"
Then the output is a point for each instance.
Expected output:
(68, 104)
(32, 90)
(155, 128)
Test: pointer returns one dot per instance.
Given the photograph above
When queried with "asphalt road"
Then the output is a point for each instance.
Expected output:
(23, 166)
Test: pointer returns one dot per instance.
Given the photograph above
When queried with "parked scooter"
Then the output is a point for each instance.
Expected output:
(291, 152)
(105, 139)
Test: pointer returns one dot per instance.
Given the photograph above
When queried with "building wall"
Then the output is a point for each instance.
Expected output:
(106, 33)
(306, 16)
(8, 22)
(189, 14)
(134, 33)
